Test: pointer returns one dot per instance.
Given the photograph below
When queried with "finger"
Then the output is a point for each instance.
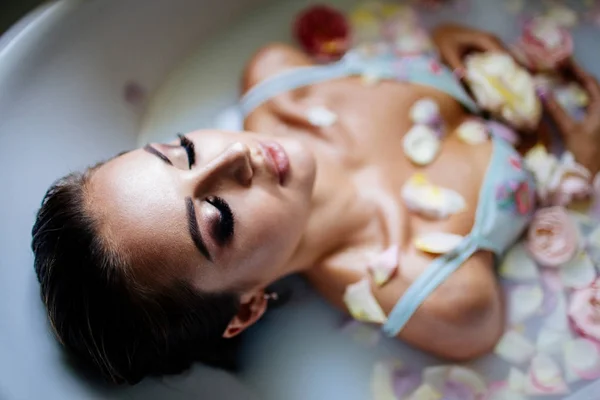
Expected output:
(490, 43)
(453, 58)
(559, 116)
(589, 83)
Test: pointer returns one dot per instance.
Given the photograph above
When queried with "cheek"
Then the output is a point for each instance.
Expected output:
(272, 230)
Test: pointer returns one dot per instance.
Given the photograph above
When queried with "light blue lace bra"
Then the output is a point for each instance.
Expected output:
(506, 198)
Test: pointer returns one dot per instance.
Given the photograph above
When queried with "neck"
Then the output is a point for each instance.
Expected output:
(336, 220)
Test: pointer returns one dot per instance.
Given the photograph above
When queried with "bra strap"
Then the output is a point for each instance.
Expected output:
(437, 272)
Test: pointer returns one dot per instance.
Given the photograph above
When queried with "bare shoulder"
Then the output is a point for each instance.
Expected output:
(462, 319)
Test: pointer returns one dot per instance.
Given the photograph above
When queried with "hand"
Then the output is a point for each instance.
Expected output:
(581, 138)
(454, 42)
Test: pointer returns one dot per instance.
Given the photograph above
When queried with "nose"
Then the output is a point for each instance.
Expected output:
(233, 164)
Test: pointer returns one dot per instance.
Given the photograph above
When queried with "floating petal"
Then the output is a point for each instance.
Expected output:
(473, 132)
(438, 242)
(384, 265)
(361, 303)
(514, 348)
(582, 360)
(429, 200)
(579, 272)
(518, 265)
(469, 378)
(421, 144)
(425, 112)
(436, 376)
(516, 380)
(524, 302)
(550, 341)
(501, 391)
(382, 384)
(425, 392)
(544, 377)
(321, 116)
(557, 320)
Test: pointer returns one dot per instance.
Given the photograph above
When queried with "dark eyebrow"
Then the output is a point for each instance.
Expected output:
(157, 153)
(193, 227)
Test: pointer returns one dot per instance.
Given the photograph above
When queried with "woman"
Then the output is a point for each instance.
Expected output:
(158, 257)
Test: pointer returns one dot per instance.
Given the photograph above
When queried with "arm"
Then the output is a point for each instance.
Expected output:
(581, 138)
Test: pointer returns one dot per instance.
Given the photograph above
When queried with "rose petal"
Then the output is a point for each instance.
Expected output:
(514, 348)
(405, 382)
(552, 239)
(579, 272)
(516, 380)
(501, 391)
(584, 311)
(500, 130)
(421, 145)
(458, 391)
(469, 378)
(425, 112)
(518, 265)
(558, 320)
(582, 360)
(361, 303)
(321, 116)
(524, 302)
(436, 376)
(544, 377)
(550, 341)
(382, 385)
(472, 132)
(437, 242)
(429, 200)
(384, 266)
(425, 392)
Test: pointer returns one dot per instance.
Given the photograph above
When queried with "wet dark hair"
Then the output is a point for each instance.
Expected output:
(101, 316)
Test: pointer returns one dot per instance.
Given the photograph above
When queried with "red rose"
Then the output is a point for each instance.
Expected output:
(323, 32)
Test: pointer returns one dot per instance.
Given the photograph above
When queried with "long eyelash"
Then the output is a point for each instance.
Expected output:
(223, 230)
(190, 150)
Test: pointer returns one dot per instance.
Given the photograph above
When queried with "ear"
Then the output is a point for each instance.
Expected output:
(252, 307)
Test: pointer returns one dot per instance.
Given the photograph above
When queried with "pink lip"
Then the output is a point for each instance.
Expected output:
(276, 159)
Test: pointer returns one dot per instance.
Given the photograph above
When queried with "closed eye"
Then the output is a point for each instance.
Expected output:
(190, 150)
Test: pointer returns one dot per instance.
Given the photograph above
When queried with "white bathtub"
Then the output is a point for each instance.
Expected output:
(80, 81)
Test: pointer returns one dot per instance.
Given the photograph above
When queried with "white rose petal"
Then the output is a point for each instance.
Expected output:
(384, 265)
(469, 378)
(518, 265)
(514, 348)
(382, 384)
(558, 320)
(516, 380)
(473, 132)
(436, 376)
(437, 242)
(321, 116)
(544, 377)
(524, 302)
(421, 145)
(425, 392)
(579, 272)
(361, 303)
(550, 341)
(429, 200)
(425, 112)
(582, 360)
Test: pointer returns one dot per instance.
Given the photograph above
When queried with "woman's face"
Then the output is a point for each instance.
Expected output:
(222, 210)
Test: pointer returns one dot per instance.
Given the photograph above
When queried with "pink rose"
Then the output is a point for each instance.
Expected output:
(584, 311)
(552, 239)
(571, 181)
(544, 44)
